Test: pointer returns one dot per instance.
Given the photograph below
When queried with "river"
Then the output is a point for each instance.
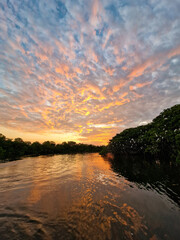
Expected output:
(84, 196)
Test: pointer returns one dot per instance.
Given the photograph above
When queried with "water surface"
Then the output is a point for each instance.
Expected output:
(86, 197)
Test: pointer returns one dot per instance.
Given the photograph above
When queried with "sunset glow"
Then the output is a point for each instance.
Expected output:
(86, 70)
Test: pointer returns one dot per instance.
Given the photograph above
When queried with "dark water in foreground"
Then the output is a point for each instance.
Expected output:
(87, 197)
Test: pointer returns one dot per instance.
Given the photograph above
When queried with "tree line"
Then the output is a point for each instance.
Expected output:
(14, 149)
(159, 139)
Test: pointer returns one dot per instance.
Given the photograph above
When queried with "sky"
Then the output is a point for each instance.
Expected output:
(86, 70)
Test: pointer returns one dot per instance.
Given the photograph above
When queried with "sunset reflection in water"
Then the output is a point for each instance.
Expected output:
(79, 197)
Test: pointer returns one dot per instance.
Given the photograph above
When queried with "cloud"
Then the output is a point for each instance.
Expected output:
(139, 85)
(88, 68)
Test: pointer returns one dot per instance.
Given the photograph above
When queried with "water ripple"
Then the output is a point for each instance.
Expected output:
(83, 197)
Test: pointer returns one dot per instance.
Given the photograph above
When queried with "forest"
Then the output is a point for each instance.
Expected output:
(159, 140)
(14, 149)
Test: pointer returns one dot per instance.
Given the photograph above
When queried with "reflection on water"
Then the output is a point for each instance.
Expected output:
(87, 197)
(163, 178)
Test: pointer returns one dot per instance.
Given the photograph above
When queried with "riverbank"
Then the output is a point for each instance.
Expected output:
(17, 148)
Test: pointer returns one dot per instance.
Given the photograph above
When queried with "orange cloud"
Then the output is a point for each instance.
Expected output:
(107, 38)
(113, 104)
(96, 8)
(118, 86)
(63, 69)
(139, 85)
(149, 65)
(109, 70)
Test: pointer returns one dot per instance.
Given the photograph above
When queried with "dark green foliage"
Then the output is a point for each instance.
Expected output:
(177, 138)
(158, 139)
(104, 151)
(10, 149)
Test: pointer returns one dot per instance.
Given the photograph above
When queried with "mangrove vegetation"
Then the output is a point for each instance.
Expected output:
(159, 140)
